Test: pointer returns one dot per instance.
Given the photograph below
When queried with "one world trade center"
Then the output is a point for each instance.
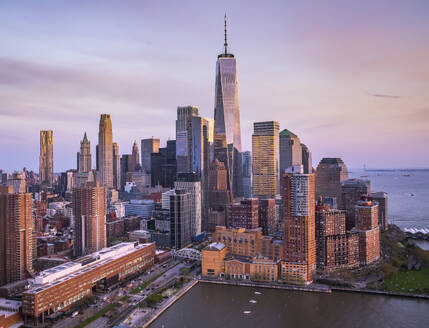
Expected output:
(227, 131)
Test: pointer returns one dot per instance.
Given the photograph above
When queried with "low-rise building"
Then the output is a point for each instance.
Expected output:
(61, 287)
(264, 269)
(10, 315)
(212, 260)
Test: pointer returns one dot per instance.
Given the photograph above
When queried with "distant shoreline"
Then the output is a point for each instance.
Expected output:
(396, 170)
(390, 170)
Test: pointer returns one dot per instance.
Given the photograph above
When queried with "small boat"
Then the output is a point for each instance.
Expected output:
(258, 293)
(252, 301)
(247, 312)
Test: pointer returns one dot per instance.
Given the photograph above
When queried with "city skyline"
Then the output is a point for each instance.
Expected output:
(349, 99)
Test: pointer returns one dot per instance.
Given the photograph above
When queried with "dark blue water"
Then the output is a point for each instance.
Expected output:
(408, 193)
(216, 306)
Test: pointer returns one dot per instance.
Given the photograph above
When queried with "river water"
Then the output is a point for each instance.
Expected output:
(218, 306)
(408, 194)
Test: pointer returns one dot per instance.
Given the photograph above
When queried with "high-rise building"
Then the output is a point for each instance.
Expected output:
(17, 182)
(380, 198)
(267, 216)
(366, 211)
(244, 214)
(89, 210)
(265, 165)
(198, 140)
(180, 219)
(290, 150)
(124, 164)
(336, 249)
(331, 172)
(191, 183)
(352, 191)
(184, 137)
(247, 173)
(16, 235)
(157, 162)
(116, 166)
(298, 225)
(148, 146)
(307, 161)
(218, 196)
(105, 151)
(227, 131)
(84, 163)
(136, 157)
(46, 167)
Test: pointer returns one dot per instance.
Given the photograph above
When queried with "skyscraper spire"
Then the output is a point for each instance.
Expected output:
(226, 43)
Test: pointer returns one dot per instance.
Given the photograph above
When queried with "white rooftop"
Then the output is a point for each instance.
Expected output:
(218, 246)
(68, 270)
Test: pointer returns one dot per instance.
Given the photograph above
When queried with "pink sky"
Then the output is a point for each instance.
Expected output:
(352, 80)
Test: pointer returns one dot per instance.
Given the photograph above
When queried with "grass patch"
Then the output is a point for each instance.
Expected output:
(97, 315)
(414, 281)
(153, 299)
(125, 298)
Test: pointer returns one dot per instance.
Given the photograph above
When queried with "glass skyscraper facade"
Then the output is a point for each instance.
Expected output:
(227, 131)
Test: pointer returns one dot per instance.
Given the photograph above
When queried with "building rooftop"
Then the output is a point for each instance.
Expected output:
(331, 160)
(287, 133)
(68, 270)
(215, 247)
(9, 305)
(355, 182)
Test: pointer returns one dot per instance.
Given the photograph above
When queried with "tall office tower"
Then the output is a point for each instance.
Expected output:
(265, 166)
(97, 164)
(183, 122)
(180, 219)
(244, 214)
(169, 169)
(307, 161)
(16, 235)
(148, 146)
(198, 144)
(105, 151)
(89, 210)
(209, 122)
(136, 157)
(290, 150)
(366, 211)
(157, 161)
(191, 183)
(298, 225)
(267, 216)
(331, 172)
(84, 163)
(227, 131)
(124, 168)
(247, 173)
(381, 199)
(116, 166)
(207, 134)
(218, 196)
(46, 168)
(352, 191)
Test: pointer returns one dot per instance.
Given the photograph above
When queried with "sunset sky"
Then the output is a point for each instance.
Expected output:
(350, 78)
